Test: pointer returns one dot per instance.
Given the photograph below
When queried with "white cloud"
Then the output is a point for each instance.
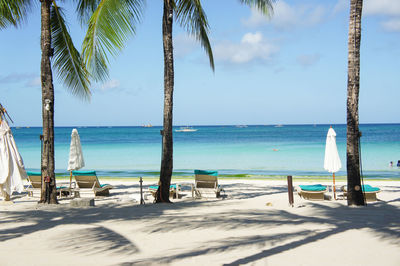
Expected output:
(184, 44)
(287, 17)
(112, 84)
(382, 7)
(256, 19)
(252, 47)
(316, 15)
(388, 9)
(341, 5)
(392, 25)
(34, 82)
(17, 78)
(308, 60)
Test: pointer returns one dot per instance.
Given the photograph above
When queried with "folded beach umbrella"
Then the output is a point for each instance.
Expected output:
(332, 160)
(12, 170)
(75, 161)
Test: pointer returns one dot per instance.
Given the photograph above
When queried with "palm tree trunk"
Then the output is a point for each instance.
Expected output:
(48, 193)
(354, 194)
(167, 140)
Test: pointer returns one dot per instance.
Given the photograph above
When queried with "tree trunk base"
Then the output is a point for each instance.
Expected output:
(45, 202)
(164, 202)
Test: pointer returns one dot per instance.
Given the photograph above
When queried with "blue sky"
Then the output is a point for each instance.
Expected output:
(290, 69)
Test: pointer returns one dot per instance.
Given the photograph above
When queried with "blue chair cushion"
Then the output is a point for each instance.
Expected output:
(84, 173)
(156, 187)
(204, 172)
(34, 173)
(368, 188)
(317, 187)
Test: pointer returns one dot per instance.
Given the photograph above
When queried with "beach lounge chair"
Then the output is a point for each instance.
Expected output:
(369, 192)
(173, 190)
(206, 184)
(89, 180)
(312, 192)
(35, 184)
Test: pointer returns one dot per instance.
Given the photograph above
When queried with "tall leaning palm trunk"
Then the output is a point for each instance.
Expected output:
(48, 193)
(167, 141)
(354, 194)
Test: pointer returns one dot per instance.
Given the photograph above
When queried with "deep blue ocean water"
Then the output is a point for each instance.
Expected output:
(266, 151)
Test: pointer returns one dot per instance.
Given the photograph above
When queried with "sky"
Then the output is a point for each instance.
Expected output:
(290, 68)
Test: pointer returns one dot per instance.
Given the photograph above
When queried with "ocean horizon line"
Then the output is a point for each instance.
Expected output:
(204, 125)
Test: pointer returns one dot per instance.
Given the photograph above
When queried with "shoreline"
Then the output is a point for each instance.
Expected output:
(186, 178)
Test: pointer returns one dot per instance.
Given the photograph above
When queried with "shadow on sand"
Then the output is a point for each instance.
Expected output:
(182, 216)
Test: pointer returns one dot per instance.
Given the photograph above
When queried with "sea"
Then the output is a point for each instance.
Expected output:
(259, 151)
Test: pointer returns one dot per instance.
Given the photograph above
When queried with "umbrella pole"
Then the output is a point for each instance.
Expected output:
(334, 188)
(70, 178)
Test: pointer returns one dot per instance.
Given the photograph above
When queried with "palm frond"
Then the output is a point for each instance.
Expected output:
(13, 12)
(109, 27)
(191, 15)
(85, 9)
(67, 60)
(265, 6)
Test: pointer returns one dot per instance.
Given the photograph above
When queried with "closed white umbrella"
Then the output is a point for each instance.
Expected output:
(12, 169)
(332, 161)
(75, 161)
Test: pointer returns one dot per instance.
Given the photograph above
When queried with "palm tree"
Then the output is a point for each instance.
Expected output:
(354, 194)
(189, 14)
(55, 42)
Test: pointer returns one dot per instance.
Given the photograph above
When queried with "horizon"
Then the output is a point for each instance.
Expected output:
(289, 69)
(214, 125)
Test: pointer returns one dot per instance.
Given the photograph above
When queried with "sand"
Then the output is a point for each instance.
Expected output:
(252, 225)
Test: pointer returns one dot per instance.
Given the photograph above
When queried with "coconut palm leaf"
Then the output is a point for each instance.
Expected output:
(109, 27)
(85, 9)
(13, 12)
(67, 60)
(265, 6)
(191, 15)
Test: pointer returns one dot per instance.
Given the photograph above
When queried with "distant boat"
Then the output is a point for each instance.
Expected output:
(241, 126)
(185, 129)
(147, 125)
(279, 125)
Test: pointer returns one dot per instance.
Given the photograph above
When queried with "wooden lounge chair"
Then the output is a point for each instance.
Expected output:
(206, 184)
(88, 180)
(173, 190)
(35, 184)
(369, 192)
(312, 192)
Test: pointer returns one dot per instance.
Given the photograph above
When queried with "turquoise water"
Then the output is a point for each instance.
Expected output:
(266, 151)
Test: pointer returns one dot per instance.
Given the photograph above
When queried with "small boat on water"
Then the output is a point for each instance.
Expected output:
(185, 129)
(279, 125)
(147, 125)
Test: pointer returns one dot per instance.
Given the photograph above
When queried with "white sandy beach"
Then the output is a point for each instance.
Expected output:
(252, 225)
